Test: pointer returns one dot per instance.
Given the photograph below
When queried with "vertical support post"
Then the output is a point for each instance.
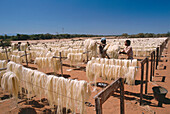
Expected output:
(26, 58)
(153, 64)
(160, 50)
(98, 106)
(141, 88)
(6, 54)
(61, 65)
(151, 69)
(122, 107)
(146, 84)
(157, 56)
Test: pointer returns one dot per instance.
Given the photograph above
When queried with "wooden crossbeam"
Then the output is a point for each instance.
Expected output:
(60, 57)
(2, 69)
(25, 55)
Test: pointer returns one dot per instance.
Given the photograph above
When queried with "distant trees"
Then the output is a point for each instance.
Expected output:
(125, 35)
(148, 35)
(7, 38)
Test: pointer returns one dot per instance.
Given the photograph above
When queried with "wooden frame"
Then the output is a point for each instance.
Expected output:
(102, 96)
(159, 51)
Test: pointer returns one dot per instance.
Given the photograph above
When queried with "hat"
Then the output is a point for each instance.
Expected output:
(103, 39)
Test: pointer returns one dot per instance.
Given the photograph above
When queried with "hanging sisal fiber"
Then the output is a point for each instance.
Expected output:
(3, 63)
(67, 93)
(47, 63)
(14, 46)
(75, 57)
(15, 68)
(130, 76)
(16, 59)
(1, 74)
(110, 69)
(9, 83)
(59, 91)
(24, 46)
(91, 45)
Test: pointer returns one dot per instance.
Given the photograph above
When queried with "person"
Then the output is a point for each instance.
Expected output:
(101, 48)
(127, 50)
(19, 46)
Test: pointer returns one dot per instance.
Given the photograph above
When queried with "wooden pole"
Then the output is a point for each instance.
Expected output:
(98, 106)
(26, 58)
(141, 88)
(61, 65)
(122, 107)
(146, 84)
(153, 64)
(157, 56)
(151, 69)
(6, 54)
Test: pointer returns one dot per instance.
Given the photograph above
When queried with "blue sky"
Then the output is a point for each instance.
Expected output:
(84, 16)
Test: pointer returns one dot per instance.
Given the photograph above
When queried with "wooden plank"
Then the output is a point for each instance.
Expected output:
(108, 91)
(122, 104)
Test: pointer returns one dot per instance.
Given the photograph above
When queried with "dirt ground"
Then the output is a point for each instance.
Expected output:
(112, 106)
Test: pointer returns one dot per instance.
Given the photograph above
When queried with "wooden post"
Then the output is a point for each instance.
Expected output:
(98, 106)
(157, 56)
(141, 88)
(26, 57)
(146, 84)
(151, 68)
(6, 54)
(61, 65)
(153, 64)
(122, 107)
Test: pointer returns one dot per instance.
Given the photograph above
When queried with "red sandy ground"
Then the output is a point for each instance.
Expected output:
(112, 105)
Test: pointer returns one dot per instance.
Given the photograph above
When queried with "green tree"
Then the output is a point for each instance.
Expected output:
(125, 35)
(140, 35)
(168, 34)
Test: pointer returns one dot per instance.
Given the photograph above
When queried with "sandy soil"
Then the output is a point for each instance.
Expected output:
(112, 105)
